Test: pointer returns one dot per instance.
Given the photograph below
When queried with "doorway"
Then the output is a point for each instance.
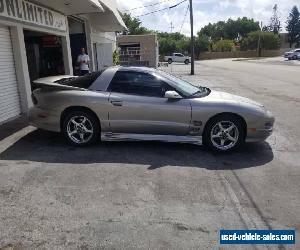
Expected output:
(44, 54)
(77, 40)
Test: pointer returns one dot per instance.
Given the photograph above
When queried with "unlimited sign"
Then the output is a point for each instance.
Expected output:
(32, 13)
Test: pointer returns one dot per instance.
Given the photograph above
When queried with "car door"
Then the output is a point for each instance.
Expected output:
(179, 57)
(138, 106)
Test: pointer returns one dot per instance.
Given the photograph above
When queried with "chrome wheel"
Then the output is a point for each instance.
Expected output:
(80, 129)
(224, 135)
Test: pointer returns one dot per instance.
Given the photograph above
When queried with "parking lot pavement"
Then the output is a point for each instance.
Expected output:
(156, 195)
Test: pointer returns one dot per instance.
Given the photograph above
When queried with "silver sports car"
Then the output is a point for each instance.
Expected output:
(133, 103)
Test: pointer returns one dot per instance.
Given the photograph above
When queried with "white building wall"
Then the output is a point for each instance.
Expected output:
(104, 44)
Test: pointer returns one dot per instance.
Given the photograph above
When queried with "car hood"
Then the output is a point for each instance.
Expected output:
(219, 96)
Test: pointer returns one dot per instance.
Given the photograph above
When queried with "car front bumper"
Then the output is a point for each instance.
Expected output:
(262, 130)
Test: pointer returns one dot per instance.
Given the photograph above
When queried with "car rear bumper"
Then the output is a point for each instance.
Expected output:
(43, 119)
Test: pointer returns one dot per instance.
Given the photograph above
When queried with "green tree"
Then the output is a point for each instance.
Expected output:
(241, 26)
(172, 42)
(230, 29)
(293, 26)
(166, 46)
(133, 25)
(201, 44)
(269, 41)
(215, 31)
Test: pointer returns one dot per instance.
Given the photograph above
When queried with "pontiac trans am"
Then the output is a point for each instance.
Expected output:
(136, 103)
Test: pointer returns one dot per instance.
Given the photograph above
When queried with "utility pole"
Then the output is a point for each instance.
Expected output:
(192, 39)
(259, 40)
(171, 27)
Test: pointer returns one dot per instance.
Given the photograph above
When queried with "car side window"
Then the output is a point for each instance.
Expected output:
(138, 83)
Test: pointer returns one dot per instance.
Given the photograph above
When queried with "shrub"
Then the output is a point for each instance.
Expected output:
(116, 58)
(224, 46)
(269, 41)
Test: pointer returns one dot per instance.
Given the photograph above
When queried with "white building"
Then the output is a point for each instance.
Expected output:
(39, 38)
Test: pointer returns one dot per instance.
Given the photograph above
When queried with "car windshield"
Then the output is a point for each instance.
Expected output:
(186, 88)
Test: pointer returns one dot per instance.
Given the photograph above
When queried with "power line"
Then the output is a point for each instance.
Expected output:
(146, 6)
(167, 8)
(187, 9)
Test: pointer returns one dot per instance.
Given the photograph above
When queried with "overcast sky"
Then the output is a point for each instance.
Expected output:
(205, 11)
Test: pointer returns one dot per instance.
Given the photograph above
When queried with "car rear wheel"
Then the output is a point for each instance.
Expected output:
(81, 128)
(187, 61)
(224, 133)
(170, 61)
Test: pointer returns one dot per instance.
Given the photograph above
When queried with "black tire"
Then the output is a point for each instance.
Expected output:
(92, 124)
(170, 61)
(211, 126)
(187, 61)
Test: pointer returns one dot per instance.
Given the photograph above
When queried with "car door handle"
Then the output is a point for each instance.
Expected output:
(117, 103)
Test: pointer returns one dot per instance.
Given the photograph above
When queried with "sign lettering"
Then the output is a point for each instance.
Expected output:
(27, 12)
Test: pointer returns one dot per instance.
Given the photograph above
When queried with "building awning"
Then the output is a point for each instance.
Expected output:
(103, 14)
(108, 21)
(73, 7)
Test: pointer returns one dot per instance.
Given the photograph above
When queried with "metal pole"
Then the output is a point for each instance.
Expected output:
(192, 39)
(259, 41)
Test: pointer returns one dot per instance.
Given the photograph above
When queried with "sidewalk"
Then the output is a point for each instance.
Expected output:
(12, 131)
(12, 127)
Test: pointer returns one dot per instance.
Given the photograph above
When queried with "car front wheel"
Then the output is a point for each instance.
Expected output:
(170, 61)
(224, 133)
(187, 61)
(81, 128)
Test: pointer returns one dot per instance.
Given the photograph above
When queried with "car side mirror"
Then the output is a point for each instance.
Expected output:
(171, 94)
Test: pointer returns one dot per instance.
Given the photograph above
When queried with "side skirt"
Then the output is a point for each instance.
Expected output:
(197, 140)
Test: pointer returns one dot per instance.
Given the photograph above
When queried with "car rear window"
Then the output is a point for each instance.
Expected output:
(82, 81)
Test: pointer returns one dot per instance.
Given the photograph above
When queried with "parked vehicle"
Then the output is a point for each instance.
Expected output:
(293, 54)
(131, 103)
(177, 57)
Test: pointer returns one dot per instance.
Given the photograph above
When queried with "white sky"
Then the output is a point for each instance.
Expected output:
(206, 11)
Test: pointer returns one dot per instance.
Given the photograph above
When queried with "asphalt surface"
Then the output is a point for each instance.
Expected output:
(155, 195)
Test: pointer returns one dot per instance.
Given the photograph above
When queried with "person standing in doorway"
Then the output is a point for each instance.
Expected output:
(84, 61)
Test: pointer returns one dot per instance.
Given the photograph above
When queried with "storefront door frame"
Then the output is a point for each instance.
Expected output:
(21, 65)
